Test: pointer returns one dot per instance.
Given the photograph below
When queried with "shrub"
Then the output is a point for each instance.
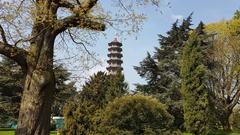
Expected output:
(95, 95)
(135, 115)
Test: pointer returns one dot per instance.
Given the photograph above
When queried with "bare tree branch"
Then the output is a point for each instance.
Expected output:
(83, 7)
(78, 2)
(80, 17)
(64, 3)
(123, 6)
(87, 5)
(84, 46)
(3, 35)
(70, 34)
(235, 99)
(17, 54)
(20, 5)
(13, 52)
(80, 22)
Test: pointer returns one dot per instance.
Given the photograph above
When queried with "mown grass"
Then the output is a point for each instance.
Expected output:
(219, 133)
(9, 131)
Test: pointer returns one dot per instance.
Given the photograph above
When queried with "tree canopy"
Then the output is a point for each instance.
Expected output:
(29, 31)
(162, 70)
(194, 89)
(95, 95)
(223, 82)
(135, 115)
(11, 90)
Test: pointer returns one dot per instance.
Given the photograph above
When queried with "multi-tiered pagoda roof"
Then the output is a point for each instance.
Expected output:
(114, 55)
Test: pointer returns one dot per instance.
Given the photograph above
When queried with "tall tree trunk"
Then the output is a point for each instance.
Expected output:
(227, 126)
(225, 122)
(34, 115)
(39, 88)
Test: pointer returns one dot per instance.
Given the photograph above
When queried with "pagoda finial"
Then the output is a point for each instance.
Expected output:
(115, 39)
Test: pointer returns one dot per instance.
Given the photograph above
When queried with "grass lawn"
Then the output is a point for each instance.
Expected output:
(218, 133)
(7, 131)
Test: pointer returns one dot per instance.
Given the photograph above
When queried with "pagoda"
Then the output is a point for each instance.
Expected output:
(114, 55)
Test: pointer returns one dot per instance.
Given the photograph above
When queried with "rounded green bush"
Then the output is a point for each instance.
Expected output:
(135, 115)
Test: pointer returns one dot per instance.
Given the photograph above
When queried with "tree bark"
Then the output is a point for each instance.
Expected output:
(227, 126)
(39, 88)
(34, 115)
(225, 122)
(37, 60)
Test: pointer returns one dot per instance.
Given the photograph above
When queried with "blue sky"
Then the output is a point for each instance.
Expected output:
(134, 50)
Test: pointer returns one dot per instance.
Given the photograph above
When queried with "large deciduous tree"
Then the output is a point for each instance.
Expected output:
(11, 89)
(28, 32)
(224, 80)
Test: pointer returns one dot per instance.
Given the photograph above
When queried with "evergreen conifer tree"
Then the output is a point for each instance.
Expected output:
(10, 91)
(162, 70)
(194, 90)
(65, 89)
(79, 114)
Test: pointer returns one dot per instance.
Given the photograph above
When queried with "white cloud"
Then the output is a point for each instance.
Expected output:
(82, 76)
(101, 67)
(177, 17)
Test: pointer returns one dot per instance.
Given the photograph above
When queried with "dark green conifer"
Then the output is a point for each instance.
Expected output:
(10, 91)
(65, 89)
(79, 114)
(162, 70)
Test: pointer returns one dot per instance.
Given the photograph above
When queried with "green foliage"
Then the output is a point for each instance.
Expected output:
(162, 70)
(11, 86)
(219, 132)
(65, 89)
(135, 115)
(10, 91)
(226, 28)
(194, 91)
(225, 73)
(95, 94)
(236, 15)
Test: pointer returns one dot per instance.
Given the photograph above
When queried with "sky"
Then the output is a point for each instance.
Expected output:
(135, 49)
(158, 22)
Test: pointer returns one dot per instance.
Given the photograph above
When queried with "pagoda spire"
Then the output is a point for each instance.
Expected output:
(114, 57)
